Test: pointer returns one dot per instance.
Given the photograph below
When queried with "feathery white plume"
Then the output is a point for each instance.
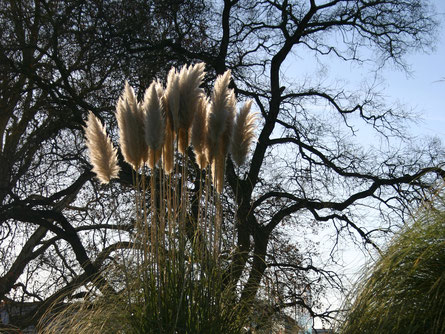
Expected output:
(243, 133)
(190, 78)
(153, 117)
(218, 113)
(199, 132)
(172, 97)
(131, 128)
(220, 126)
(103, 155)
(154, 122)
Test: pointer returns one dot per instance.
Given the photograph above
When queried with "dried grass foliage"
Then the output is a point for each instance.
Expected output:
(172, 281)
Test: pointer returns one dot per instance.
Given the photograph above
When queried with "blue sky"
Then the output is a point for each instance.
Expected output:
(422, 89)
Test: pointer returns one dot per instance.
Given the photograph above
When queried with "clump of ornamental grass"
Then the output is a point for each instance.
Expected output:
(405, 290)
(169, 119)
(105, 314)
(173, 279)
(180, 297)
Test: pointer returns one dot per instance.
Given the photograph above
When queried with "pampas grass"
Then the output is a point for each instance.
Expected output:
(243, 134)
(226, 137)
(130, 120)
(199, 133)
(103, 155)
(218, 114)
(219, 162)
(172, 98)
(190, 80)
(182, 298)
(182, 112)
(220, 125)
(172, 281)
(154, 123)
(171, 109)
(168, 151)
(405, 290)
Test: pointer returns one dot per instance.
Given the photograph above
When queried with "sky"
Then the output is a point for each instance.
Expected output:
(422, 90)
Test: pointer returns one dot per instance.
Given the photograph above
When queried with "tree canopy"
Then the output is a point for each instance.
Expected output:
(60, 59)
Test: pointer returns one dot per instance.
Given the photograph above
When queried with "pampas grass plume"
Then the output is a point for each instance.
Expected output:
(172, 97)
(218, 114)
(224, 142)
(243, 134)
(199, 132)
(131, 129)
(169, 140)
(226, 137)
(190, 78)
(103, 155)
(220, 126)
(154, 122)
(171, 101)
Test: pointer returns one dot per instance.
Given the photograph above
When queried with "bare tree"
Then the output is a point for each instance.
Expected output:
(60, 59)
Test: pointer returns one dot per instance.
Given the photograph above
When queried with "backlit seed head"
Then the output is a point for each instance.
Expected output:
(103, 155)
